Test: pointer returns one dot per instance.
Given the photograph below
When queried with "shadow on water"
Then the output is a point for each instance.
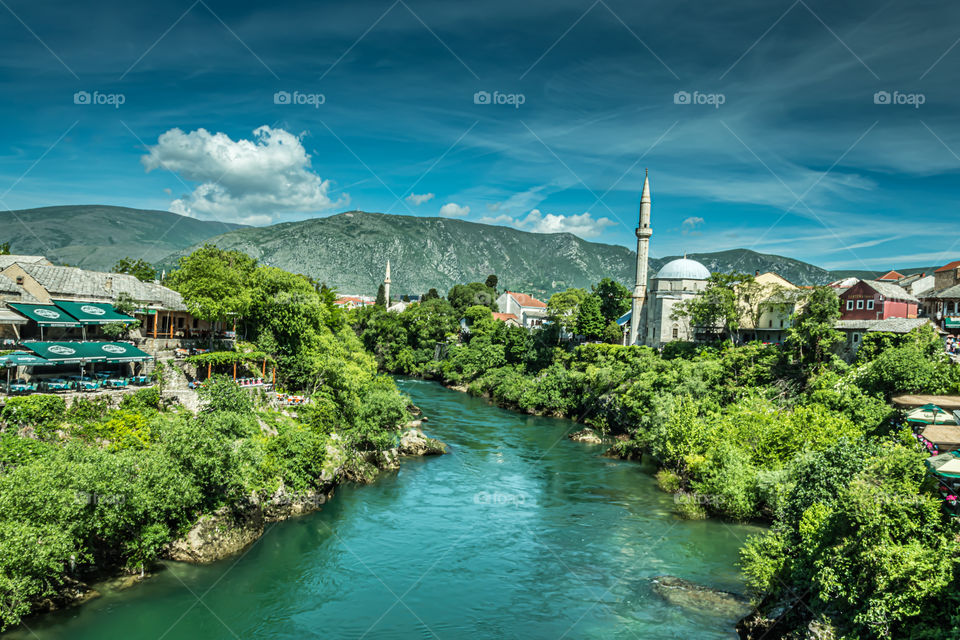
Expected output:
(517, 533)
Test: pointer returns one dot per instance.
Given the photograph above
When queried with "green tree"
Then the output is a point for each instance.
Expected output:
(381, 296)
(215, 283)
(432, 294)
(612, 333)
(812, 336)
(614, 298)
(4, 248)
(563, 308)
(462, 296)
(590, 323)
(721, 306)
(139, 268)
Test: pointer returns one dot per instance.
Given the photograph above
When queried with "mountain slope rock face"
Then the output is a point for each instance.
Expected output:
(96, 236)
(349, 251)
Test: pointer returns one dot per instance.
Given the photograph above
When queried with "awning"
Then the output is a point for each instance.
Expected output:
(122, 352)
(67, 352)
(45, 315)
(93, 312)
(23, 360)
(951, 323)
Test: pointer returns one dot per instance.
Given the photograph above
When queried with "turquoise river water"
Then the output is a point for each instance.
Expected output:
(517, 533)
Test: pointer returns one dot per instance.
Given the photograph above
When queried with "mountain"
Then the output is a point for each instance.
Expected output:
(872, 275)
(349, 251)
(96, 236)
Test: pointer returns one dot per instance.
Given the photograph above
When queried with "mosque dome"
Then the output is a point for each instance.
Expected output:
(683, 269)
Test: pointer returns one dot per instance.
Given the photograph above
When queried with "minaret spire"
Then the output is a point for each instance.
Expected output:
(386, 284)
(643, 249)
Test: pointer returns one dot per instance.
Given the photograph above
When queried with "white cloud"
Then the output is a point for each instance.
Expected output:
(692, 222)
(419, 198)
(583, 225)
(453, 210)
(249, 181)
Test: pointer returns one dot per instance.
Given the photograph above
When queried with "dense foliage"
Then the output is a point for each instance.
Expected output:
(790, 435)
(95, 486)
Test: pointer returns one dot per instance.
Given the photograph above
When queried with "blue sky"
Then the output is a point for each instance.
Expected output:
(760, 122)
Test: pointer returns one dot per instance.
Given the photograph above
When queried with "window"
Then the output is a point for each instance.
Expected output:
(770, 324)
(19, 279)
(859, 304)
(849, 305)
(781, 324)
(194, 323)
(180, 322)
(856, 337)
(869, 304)
(676, 332)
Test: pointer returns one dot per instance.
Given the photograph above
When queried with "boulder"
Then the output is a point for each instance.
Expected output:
(587, 435)
(700, 599)
(413, 442)
(218, 535)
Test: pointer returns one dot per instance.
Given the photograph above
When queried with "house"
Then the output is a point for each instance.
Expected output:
(891, 276)
(529, 311)
(942, 303)
(770, 307)
(508, 319)
(877, 300)
(162, 312)
(353, 302)
(855, 329)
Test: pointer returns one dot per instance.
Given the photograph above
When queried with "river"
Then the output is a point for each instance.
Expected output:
(517, 533)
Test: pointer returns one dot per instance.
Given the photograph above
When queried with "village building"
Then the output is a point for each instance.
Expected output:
(508, 319)
(942, 303)
(528, 311)
(353, 302)
(854, 330)
(770, 305)
(31, 281)
(877, 300)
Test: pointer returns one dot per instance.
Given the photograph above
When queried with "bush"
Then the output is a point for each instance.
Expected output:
(42, 412)
(220, 393)
(668, 480)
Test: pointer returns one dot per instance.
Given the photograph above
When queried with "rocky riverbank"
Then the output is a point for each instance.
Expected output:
(232, 528)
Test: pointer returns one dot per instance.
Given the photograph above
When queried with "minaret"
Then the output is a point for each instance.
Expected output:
(643, 248)
(386, 284)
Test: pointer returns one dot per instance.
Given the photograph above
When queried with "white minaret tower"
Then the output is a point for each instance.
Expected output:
(386, 284)
(643, 249)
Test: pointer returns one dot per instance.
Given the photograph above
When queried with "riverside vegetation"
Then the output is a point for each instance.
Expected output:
(92, 490)
(857, 547)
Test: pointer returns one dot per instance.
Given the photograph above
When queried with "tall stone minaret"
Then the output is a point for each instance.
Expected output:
(643, 249)
(386, 284)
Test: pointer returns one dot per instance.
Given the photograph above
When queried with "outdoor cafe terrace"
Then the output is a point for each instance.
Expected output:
(66, 366)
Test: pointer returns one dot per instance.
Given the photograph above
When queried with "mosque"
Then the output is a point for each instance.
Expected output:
(648, 322)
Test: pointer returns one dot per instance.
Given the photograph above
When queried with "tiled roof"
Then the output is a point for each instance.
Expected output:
(949, 292)
(71, 282)
(892, 291)
(526, 301)
(503, 317)
(948, 267)
(891, 275)
(887, 325)
(9, 288)
(6, 261)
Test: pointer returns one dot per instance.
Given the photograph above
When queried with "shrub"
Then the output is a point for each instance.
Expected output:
(42, 412)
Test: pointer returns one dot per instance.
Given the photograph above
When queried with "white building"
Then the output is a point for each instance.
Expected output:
(529, 311)
(678, 281)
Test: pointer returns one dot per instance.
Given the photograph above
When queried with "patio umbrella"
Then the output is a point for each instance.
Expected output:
(931, 414)
(947, 464)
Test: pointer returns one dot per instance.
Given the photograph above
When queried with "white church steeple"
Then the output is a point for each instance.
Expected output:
(386, 284)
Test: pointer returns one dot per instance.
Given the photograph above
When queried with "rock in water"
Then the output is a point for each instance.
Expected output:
(587, 435)
(700, 599)
(215, 536)
(413, 442)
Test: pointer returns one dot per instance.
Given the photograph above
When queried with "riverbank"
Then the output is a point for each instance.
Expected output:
(517, 532)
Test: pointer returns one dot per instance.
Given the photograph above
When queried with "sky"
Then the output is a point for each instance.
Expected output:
(817, 130)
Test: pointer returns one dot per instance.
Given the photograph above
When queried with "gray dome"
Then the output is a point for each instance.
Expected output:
(683, 269)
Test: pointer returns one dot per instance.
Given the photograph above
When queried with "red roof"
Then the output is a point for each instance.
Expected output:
(949, 267)
(891, 275)
(526, 301)
(503, 317)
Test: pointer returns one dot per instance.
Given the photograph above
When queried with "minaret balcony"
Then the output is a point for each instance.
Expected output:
(645, 232)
